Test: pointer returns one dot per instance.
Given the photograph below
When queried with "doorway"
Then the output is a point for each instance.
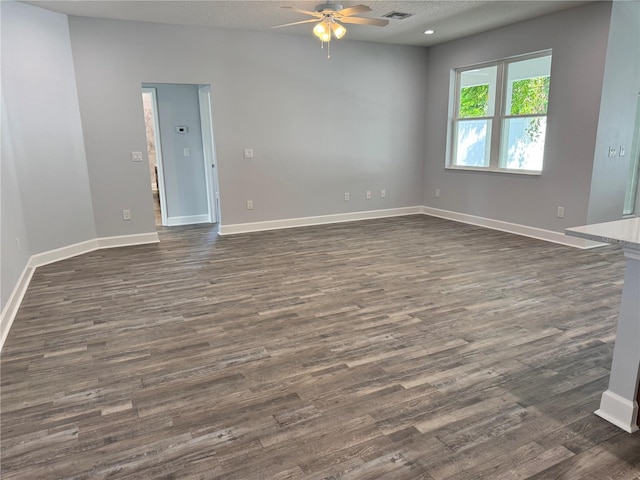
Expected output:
(182, 162)
(150, 105)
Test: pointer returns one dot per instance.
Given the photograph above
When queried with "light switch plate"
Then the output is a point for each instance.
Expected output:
(248, 153)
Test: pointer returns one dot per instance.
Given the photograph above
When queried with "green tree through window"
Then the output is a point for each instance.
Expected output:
(474, 101)
(530, 96)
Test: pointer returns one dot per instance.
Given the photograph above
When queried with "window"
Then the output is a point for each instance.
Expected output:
(500, 117)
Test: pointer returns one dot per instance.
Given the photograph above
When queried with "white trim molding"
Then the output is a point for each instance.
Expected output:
(515, 228)
(10, 310)
(318, 220)
(62, 253)
(128, 240)
(187, 220)
(619, 411)
(87, 246)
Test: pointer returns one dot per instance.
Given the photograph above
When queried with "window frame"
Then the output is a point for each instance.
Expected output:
(496, 121)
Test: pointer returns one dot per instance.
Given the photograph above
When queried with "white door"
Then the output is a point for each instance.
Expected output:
(211, 169)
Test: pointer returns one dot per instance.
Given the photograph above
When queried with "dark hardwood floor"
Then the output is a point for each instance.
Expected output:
(402, 348)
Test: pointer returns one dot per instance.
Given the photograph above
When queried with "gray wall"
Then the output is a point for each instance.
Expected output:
(13, 229)
(184, 177)
(578, 38)
(47, 204)
(617, 114)
(318, 127)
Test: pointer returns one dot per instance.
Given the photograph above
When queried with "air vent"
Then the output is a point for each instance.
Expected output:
(397, 15)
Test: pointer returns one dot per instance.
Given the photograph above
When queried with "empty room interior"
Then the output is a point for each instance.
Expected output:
(382, 240)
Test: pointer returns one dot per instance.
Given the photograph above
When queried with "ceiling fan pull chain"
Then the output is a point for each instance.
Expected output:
(328, 50)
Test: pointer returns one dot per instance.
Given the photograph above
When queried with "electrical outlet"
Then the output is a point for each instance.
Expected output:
(437, 193)
(249, 204)
(560, 213)
(346, 196)
(187, 152)
(248, 153)
(126, 214)
(612, 151)
(136, 156)
(383, 193)
(368, 194)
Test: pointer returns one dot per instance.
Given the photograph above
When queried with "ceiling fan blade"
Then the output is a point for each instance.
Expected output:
(365, 21)
(353, 10)
(315, 20)
(306, 12)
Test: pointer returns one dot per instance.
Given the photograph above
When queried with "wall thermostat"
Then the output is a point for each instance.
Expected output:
(182, 129)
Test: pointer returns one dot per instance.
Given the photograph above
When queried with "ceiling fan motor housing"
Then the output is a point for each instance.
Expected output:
(328, 7)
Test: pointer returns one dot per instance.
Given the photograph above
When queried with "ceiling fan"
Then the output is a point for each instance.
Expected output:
(329, 18)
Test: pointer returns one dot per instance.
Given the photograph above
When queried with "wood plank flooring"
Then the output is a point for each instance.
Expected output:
(402, 348)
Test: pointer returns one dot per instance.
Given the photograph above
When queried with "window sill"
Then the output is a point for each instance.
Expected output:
(530, 173)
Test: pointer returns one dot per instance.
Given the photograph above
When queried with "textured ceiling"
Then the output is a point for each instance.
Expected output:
(450, 18)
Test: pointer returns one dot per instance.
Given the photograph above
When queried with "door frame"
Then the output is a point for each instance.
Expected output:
(209, 150)
(634, 167)
(159, 164)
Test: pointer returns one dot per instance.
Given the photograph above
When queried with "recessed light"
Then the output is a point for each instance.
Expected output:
(429, 32)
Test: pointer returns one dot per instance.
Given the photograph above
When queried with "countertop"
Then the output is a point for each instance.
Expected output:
(625, 232)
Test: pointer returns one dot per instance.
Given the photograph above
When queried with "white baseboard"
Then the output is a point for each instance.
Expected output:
(10, 309)
(187, 220)
(87, 246)
(62, 253)
(524, 230)
(15, 299)
(618, 410)
(128, 240)
(319, 220)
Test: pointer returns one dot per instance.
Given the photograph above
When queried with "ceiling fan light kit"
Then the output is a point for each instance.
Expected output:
(338, 30)
(322, 31)
(329, 16)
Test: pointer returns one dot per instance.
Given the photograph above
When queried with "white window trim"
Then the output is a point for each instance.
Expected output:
(496, 119)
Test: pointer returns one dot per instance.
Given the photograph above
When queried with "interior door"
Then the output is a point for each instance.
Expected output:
(206, 123)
